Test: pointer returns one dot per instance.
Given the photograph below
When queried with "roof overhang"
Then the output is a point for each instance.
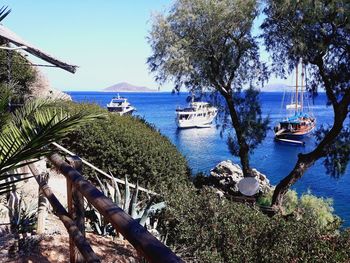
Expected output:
(10, 36)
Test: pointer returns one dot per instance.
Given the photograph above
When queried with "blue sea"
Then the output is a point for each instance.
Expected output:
(204, 148)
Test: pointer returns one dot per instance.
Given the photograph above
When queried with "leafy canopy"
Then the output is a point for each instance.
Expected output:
(254, 126)
(205, 43)
(316, 31)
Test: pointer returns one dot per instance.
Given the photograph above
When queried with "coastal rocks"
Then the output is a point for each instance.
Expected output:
(226, 176)
(41, 88)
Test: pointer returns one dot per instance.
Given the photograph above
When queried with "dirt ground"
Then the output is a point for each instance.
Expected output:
(55, 249)
(53, 246)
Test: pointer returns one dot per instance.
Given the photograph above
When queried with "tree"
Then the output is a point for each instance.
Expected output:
(15, 68)
(318, 32)
(207, 45)
(22, 74)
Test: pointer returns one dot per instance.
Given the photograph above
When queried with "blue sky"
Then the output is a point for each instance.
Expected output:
(106, 39)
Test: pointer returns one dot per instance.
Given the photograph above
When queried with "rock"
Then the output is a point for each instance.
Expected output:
(226, 176)
(42, 89)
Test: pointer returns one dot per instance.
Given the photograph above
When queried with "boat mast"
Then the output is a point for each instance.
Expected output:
(296, 90)
(302, 86)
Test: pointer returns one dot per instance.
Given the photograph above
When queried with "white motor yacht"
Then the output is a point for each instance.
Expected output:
(197, 115)
(120, 105)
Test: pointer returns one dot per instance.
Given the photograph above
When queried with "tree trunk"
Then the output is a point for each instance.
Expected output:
(243, 146)
(283, 186)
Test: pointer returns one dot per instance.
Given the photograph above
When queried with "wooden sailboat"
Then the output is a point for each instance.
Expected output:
(299, 123)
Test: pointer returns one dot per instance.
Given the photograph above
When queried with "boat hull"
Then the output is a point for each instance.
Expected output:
(198, 123)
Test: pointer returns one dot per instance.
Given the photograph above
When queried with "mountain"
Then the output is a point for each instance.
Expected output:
(126, 87)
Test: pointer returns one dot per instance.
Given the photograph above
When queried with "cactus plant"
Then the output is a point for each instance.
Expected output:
(141, 211)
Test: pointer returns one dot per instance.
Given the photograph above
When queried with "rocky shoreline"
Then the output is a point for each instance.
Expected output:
(225, 176)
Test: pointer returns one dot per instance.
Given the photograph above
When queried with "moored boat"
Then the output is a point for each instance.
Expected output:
(120, 105)
(299, 123)
(197, 115)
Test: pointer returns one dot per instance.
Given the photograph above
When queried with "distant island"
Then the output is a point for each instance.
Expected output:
(126, 87)
(275, 88)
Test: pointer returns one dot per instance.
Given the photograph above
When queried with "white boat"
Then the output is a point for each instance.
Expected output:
(120, 105)
(197, 115)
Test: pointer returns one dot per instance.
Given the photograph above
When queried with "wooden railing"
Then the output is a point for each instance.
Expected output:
(79, 188)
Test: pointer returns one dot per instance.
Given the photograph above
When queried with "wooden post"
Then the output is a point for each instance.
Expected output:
(73, 231)
(75, 209)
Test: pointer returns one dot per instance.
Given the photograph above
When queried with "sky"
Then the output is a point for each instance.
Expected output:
(106, 39)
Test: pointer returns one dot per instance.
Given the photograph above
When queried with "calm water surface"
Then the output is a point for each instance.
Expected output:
(204, 148)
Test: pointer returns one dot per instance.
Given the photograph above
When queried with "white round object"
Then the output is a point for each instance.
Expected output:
(248, 186)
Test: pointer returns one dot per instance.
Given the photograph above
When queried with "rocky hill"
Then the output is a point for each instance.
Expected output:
(277, 87)
(126, 87)
(42, 89)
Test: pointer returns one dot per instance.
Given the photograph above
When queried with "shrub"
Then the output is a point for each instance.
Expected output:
(128, 146)
(320, 209)
(210, 229)
(307, 206)
(22, 74)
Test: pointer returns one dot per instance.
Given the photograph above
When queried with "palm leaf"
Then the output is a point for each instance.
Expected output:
(4, 12)
(15, 178)
(32, 129)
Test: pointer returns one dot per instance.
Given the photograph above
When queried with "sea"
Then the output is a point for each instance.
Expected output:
(204, 148)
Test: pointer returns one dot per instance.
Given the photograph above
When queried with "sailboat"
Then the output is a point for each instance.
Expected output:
(298, 124)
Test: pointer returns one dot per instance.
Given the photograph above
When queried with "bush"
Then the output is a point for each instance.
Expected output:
(210, 229)
(126, 145)
(22, 74)
(318, 208)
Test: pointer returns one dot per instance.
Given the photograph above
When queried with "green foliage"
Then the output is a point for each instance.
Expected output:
(27, 133)
(127, 146)
(252, 124)
(308, 206)
(23, 216)
(142, 211)
(320, 209)
(205, 44)
(200, 226)
(207, 228)
(15, 68)
(22, 74)
(316, 31)
(337, 155)
(290, 201)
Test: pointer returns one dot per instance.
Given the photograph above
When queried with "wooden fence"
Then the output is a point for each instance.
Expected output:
(79, 188)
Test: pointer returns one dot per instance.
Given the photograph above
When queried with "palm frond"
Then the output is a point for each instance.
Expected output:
(32, 129)
(4, 11)
(9, 181)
